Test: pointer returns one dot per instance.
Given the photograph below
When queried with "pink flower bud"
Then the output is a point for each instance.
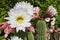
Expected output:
(8, 30)
(36, 11)
(51, 30)
(58, 29)
(5, 35)
(3, 25)
(55, 30)
(36, 15)
(51, 11)
(52, 27)
(48, 31)
(31, 29)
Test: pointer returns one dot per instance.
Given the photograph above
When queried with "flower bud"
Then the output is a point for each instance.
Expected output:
(31, 29)
(50, 12)
(47, 19)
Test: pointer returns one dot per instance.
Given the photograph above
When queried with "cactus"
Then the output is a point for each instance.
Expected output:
(30, 36)
(25, 38)
(41, 30)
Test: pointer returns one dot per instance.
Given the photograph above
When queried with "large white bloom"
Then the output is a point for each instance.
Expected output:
(15, 38)
(27, 7)
(18, 17)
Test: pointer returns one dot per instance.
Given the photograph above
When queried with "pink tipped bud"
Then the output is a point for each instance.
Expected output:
(3, 25)
(55, 30)
(58, 29)
(48, 31)
(36, 16)
(8, 30)
(51, 11)
(31, 29)
(52, 27)
(5, 35)
(51, 30)
(36, 10)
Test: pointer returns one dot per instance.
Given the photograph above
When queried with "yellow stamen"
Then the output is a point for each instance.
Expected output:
(20, 19)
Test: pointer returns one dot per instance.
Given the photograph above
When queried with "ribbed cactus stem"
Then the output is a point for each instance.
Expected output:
(41, 30)
(30, 36)
(25, 38)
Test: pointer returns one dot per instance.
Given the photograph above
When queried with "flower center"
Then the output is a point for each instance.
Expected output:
(20, 19)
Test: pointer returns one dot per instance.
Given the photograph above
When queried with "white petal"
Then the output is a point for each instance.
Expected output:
(52, 9)
(52, 23)
(20, 28)
(26, 24)
(17, 30)
(47, 19)
(12, 24)
(23, 29)
(16, 38)
(53, 19)
(6, 18)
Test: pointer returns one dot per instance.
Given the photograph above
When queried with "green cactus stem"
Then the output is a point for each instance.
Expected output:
(30, 36)
(41, 30)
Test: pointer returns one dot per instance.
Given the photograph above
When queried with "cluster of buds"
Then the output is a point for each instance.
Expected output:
(52, 31)
(49, 17)
(7, 28)
(52, 27)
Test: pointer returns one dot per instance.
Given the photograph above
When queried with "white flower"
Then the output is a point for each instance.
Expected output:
(18, 17)
(53, 19)
(15, 38)
(47, 19)
(52, 23)
(52, 10)
(27, 7)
